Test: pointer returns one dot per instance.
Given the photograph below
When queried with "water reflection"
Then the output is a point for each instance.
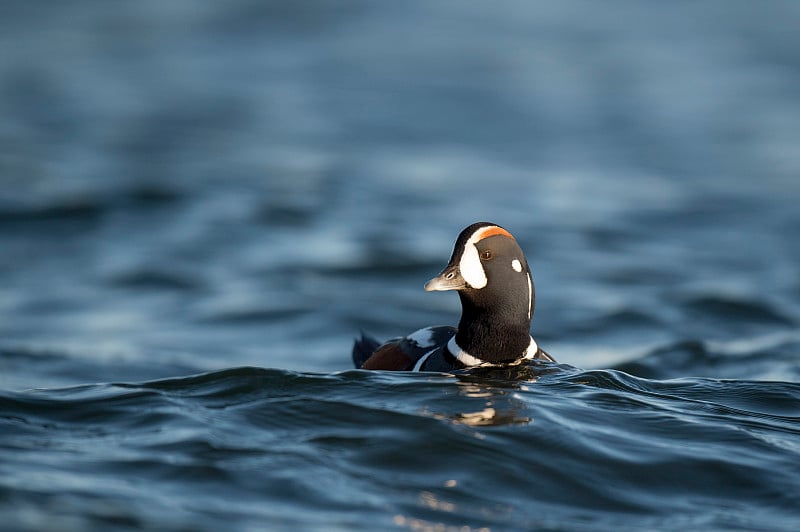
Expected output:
(495, 395)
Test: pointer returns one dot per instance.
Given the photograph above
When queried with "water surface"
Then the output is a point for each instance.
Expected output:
(201, 207)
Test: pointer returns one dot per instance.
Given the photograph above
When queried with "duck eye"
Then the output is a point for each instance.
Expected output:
(486, 255)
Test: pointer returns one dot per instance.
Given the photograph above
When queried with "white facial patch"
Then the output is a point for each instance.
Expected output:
(470, 264)
(516, 265)
(471, 267)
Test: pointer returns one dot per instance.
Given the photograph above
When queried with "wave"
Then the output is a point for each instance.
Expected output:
(559, 448)
(85, 208)
(768, 357)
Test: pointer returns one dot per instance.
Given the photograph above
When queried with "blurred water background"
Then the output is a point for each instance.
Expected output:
(187, 189)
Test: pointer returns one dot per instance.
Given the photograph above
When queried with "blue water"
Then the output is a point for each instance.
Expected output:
(202, 206)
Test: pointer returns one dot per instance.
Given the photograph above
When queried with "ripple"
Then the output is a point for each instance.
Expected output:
(771, 360)
(728, 308)
(454, 450)
(86, 211)
(157, 280)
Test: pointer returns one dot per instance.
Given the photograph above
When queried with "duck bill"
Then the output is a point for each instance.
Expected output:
(449, 279)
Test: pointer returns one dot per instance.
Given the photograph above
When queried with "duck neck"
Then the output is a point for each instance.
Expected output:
(493, 334)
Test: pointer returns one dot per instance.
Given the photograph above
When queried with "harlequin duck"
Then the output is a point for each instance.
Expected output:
(494, 283)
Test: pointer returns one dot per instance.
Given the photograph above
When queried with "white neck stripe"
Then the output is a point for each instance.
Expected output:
(531, 350)
(462, 356)
(530, 298)
(472, 361)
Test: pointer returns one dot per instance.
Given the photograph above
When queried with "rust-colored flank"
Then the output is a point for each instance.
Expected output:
(389, 357)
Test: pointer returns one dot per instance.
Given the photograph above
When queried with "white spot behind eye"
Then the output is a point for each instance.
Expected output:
(516, 265)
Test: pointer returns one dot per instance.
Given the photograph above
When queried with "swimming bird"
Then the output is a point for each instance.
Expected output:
(494, 283)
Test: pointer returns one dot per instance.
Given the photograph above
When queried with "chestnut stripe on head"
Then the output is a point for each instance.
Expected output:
(492, 230)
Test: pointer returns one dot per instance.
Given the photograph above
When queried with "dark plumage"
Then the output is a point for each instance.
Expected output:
(494, 283)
